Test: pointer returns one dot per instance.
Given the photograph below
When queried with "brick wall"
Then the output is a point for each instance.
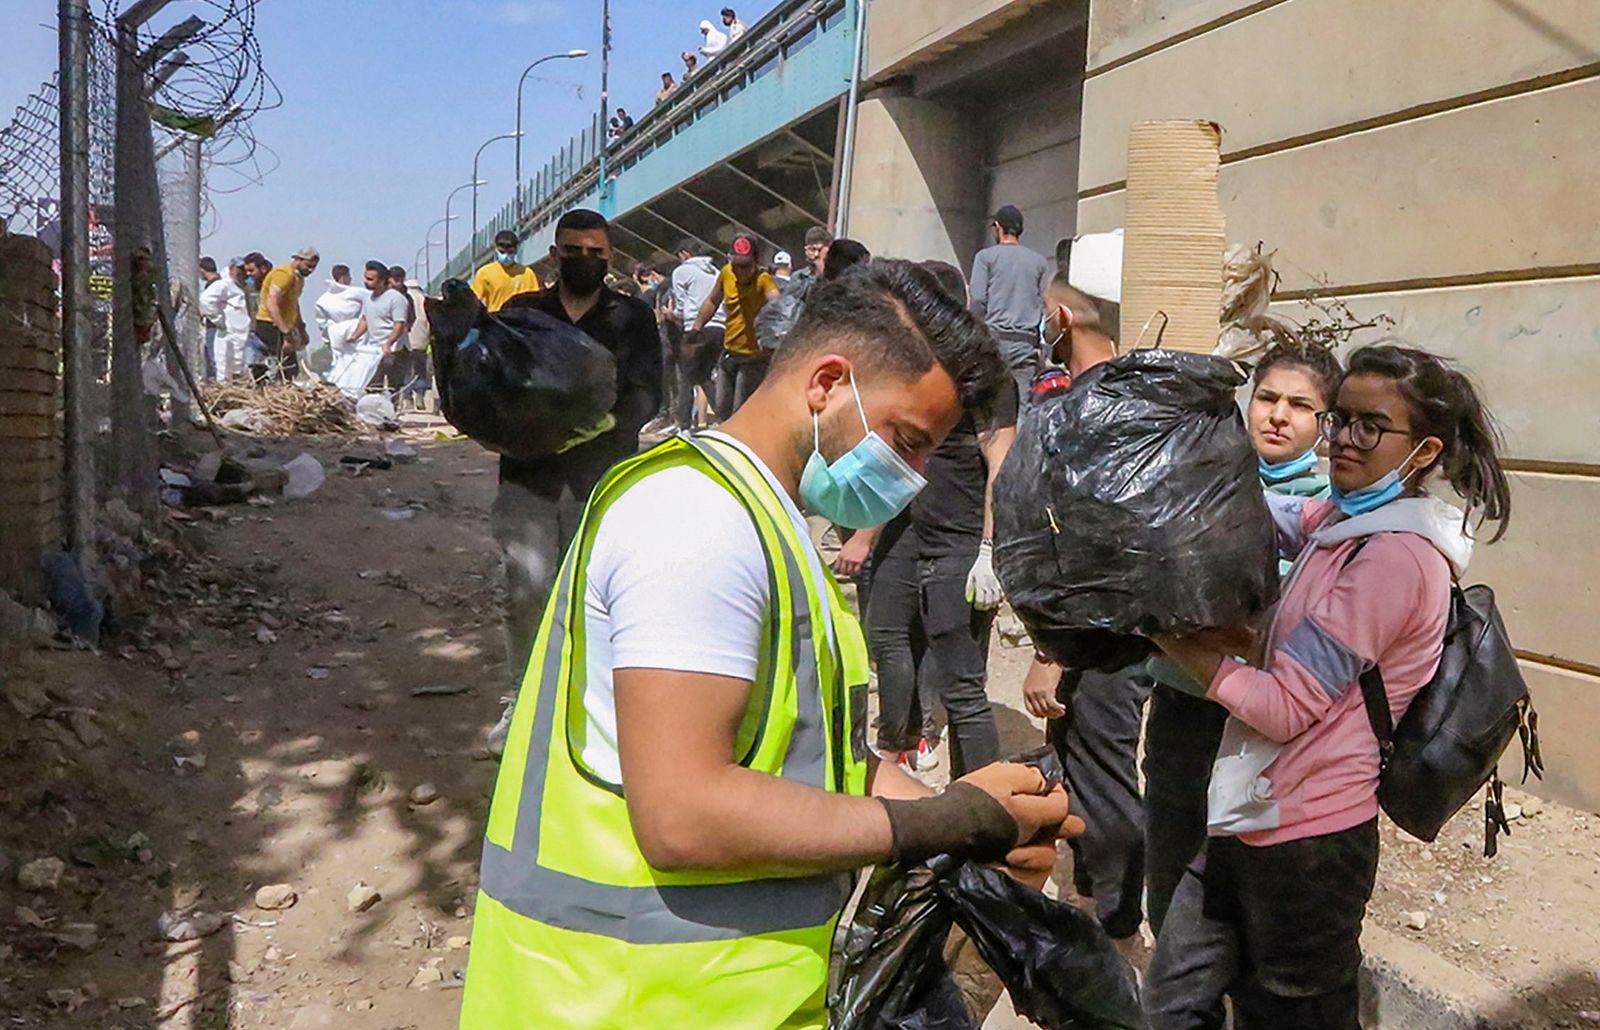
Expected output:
(30, 404)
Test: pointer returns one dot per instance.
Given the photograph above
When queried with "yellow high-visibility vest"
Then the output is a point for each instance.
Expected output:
(573, 928)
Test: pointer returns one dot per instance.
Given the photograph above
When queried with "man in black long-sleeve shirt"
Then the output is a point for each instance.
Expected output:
(537, 509)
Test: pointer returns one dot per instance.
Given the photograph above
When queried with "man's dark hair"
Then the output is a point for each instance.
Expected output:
(894, 318)
(818, 234)
(336, 271)
(582, 219)
(396, 272)
(844, 254)
(379, 267)
(208, 264)
(1009, 219)
(506, 236)
(950, 278)
(688, 246)
(727, 12)
(255, 257)
(643, 268)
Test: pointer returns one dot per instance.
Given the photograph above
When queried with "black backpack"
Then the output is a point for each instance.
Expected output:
(1450, 739)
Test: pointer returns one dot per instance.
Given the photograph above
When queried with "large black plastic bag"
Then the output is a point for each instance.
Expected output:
(1056, 962)
(517, 381)
(1131, 504)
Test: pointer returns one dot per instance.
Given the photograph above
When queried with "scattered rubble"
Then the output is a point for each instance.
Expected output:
(42, 874)
(173, 926)
(362, 897)
(276, 896)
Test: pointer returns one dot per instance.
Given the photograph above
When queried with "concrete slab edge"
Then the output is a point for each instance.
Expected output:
(1406, 985)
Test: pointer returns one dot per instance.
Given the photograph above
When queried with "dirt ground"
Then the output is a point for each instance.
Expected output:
(301, 701)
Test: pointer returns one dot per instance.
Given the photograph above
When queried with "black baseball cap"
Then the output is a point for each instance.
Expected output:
(1009, 219)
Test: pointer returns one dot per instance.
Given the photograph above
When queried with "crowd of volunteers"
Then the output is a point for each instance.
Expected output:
(689, 773)
(371, 337)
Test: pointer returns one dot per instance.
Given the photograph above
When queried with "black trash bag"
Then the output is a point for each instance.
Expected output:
(1131, 504)
(1058, 965)
(517, 381)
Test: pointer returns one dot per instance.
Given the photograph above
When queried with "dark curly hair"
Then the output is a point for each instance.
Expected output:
(1444, 403)
(1291, 351)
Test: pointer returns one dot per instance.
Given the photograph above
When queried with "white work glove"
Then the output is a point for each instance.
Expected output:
(983, 587)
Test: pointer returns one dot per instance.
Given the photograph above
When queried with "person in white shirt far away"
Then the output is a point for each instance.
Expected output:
(223, 302)
(715, 41)
(731, 22)
(383, 324)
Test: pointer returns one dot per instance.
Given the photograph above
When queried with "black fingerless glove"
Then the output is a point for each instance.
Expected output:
(964, 821)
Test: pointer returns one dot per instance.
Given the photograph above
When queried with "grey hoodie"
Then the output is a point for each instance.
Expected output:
(692, 283)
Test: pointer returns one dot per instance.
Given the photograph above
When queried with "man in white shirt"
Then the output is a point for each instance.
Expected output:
(673, 606)
(731, 22)
(224, 303)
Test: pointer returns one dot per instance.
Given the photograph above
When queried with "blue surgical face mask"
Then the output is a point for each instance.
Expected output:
(504, 258)
(867, 486)
(1287, 470)
(1376, 494)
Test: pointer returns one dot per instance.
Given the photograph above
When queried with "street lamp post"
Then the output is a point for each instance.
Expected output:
(428, 245)
(504, 135)
(449, 257)
(525, 71)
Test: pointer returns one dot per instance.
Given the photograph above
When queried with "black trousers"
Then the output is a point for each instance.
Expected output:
(927, 597)
(696, 359)
(1278, 928)
(739, 375)
(1098, 741)
(1182, 733)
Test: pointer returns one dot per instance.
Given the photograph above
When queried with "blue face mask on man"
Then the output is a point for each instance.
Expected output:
(1287, 470)
(1378, 493)
(504, 258)
(867, 486)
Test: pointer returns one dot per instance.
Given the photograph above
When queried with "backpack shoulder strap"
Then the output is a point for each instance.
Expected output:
(1374, 694)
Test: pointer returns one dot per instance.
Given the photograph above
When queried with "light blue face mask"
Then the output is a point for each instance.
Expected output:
(504, 258)
(1285, 471)
(1376, 494)
(867, 486)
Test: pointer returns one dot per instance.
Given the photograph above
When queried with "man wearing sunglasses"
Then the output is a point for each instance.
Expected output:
(504, 277)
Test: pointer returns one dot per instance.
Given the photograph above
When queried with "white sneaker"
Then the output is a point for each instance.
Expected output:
(495, 743)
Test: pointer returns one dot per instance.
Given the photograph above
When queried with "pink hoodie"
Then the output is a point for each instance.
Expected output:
(1388, 606)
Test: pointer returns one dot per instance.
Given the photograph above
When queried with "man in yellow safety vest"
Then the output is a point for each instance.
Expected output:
(686, 785)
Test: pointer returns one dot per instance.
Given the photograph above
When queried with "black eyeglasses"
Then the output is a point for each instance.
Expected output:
(1366, 432)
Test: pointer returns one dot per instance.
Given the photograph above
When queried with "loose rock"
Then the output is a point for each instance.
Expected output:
(42, 874)
(424, 794)
(275, 896)
(176, 927)
(362, 897)
(1415, 920)
(457, 943)
(430, 973)
(79, 936)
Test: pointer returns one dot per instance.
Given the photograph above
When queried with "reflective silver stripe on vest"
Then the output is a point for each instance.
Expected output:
(675, 914)
(806, 760)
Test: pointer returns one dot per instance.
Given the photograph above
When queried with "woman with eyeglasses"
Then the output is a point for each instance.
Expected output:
(1271, 910)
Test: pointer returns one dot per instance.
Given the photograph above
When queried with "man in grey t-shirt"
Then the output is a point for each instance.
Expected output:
(1008, 284)
(383, 324)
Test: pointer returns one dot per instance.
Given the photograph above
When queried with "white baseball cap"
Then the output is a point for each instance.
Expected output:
(308, 254)
(782, 258)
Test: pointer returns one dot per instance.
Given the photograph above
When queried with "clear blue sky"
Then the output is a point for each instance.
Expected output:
(384, 105)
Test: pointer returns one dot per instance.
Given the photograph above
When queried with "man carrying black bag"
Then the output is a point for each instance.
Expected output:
(536, 511)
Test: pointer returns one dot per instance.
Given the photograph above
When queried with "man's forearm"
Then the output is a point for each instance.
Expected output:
(754, 822)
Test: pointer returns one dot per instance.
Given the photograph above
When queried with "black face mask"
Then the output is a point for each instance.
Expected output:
(583, 275)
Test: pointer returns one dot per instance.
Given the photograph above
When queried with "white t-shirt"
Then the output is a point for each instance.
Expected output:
(677, 580)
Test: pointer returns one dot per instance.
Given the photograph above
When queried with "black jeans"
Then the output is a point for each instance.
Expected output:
(696, 357)
(671, 334)
(1098, 741)
(1182, 733)
(1278, 928)
(741, 374)
(930, 594)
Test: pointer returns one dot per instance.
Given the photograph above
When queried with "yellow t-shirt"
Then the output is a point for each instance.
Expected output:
(285, 277)
(496, 283)
(742, 305)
